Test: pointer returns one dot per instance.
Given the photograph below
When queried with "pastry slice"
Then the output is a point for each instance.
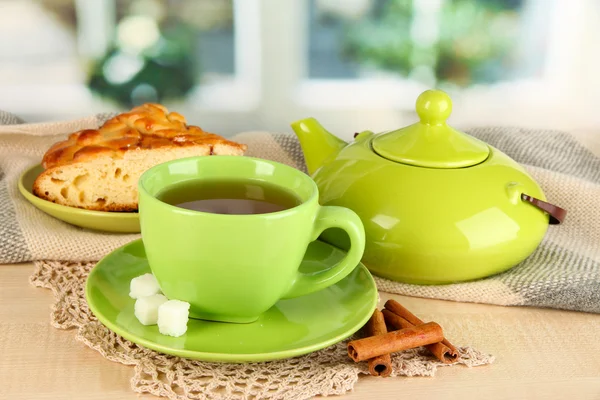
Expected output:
(98, 169)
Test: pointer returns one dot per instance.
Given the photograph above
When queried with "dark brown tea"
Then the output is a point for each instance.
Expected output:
(229, 197)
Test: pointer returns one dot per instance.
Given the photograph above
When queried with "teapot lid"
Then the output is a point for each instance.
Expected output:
(431, 142)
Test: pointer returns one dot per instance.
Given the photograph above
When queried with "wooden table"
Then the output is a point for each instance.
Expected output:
(540, 353)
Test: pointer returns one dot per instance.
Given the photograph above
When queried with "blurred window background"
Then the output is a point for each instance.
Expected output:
(235, 65)
(452, 43)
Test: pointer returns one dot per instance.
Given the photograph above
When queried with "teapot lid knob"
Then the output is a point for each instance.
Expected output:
(434, 107)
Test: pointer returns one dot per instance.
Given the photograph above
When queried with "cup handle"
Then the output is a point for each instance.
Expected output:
(332, 217)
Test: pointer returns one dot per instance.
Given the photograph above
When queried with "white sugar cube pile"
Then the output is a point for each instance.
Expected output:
(173, 317)
(143, 285)
(153, 308)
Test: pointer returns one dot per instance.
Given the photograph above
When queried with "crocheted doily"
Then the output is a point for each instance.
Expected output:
(326, 372)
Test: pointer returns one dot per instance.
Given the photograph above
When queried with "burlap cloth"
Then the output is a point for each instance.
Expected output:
(564, 272)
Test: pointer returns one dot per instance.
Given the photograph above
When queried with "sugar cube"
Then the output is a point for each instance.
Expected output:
(146, 308)
(173, 317)
(143, 286)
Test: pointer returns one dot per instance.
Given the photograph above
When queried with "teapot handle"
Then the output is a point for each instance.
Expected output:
(557, 214)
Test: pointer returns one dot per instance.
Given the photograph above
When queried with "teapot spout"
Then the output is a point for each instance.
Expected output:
(318, 144)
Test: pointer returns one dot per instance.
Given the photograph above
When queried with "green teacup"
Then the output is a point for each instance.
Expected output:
(232, 268)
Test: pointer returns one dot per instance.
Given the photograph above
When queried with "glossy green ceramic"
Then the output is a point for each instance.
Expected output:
(438, 206)
(120, 222)
(290, 328)
(235, 267)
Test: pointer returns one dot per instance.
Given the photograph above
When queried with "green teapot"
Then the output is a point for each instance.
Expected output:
(438, 206)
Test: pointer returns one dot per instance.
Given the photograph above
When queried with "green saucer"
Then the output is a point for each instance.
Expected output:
(290, 328)
(121, 222)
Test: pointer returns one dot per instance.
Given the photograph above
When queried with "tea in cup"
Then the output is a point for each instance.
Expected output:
(227, 234)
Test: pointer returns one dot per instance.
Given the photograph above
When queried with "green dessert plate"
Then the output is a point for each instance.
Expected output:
(121, 222)
(290, 328)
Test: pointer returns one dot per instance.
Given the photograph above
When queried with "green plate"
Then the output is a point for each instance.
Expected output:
(122, 222)
(290, 328)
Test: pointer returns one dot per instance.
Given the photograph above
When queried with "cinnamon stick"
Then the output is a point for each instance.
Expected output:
(399, 310)
(403, 339)
(380, 365)
(439, 350)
